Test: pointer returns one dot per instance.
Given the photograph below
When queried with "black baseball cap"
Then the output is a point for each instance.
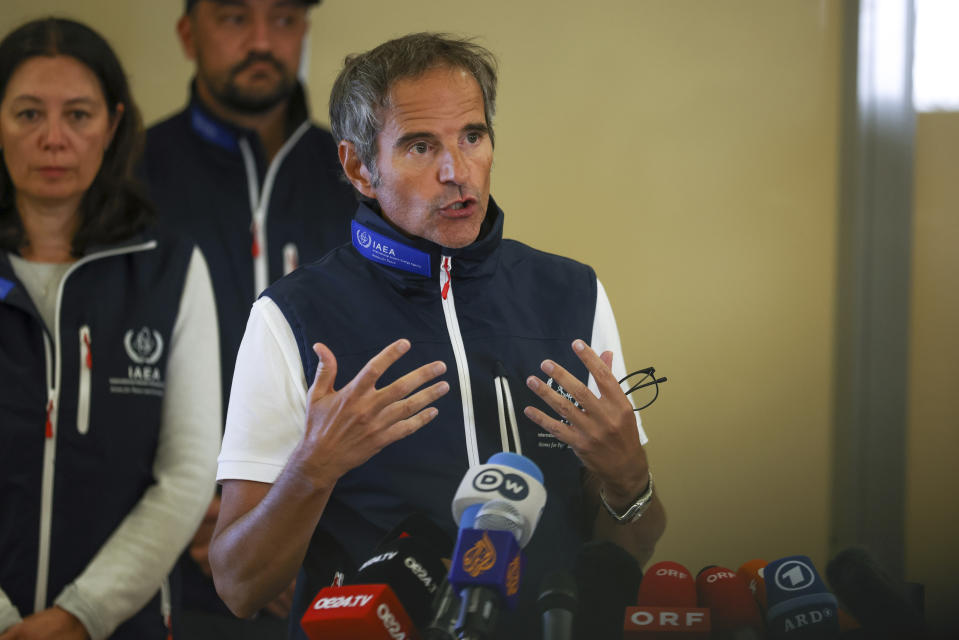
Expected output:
(190, 3)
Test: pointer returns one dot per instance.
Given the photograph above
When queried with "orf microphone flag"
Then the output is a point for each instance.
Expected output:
(666, 606)
(733, 610)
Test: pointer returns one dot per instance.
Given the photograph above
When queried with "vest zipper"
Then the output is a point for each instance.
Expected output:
(52, 356)
(86, 368)
(260, 204)
(459, 354)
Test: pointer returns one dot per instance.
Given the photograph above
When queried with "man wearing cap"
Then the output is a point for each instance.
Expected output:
(245, 173)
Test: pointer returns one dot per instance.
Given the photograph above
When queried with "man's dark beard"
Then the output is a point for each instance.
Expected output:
(235, 99)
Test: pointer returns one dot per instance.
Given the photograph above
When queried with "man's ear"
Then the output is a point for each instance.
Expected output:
(184, 30)
(356, 172)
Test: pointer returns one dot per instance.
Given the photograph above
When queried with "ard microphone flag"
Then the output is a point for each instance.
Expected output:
(799, 604)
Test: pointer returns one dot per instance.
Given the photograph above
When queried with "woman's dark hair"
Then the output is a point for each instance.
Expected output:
(113, 208)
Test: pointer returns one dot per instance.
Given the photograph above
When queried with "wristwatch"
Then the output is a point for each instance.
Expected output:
(634, 511)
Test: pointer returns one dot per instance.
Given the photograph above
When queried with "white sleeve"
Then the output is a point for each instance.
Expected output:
(9, 615)
(131, 566)
(267, 414)
(606, 338)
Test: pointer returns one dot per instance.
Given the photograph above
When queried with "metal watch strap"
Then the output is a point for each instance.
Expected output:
(636, 510)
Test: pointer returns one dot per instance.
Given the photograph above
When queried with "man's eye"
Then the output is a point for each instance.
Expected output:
(284, 21)
(472, 137)
(233, 19)
(419, 147)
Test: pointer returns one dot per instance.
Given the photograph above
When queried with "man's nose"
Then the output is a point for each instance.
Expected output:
(453, 167)
(260, 33)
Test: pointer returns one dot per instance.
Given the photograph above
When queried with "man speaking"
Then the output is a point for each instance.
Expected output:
(368, 382)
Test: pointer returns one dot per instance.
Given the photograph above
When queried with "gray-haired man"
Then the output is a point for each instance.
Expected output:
(429, 279)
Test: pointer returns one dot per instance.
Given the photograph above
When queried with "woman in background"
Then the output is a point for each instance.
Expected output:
(109, 375)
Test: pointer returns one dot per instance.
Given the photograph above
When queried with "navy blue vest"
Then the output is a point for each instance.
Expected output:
(130, 303)
(515, 307)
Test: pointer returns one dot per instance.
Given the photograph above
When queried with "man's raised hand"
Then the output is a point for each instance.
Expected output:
(346, 427)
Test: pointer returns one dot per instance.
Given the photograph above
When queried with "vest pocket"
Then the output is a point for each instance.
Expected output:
(86, 368)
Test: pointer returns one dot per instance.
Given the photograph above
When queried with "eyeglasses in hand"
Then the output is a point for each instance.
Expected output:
(643, 391)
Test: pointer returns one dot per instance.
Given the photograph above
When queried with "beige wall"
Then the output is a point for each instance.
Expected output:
(688, 151)
(933, 442)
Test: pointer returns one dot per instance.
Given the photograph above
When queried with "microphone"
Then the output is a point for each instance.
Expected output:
(445, 610)
(799, 604)
(752, 573)
(420, 526)
(357, 612)
(507, 477)
(391, 593)
(557, 605)
(734, 613)
(666, 606)
(411, 569)
(608, 578)
(497, 507)
(872, 597)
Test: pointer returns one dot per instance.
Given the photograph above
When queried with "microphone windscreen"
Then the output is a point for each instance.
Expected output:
(507, 476)
(357, 612)
(799, 604)
(607, 580)
(872, 597)
(667, 584)
(488, 558)
(412, 569)
(420, 526)
(558, 591)
(732, 606)
(752, 572)
(443, 614)
(556, 605)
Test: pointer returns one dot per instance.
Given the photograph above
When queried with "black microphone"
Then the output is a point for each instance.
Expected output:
(871, 595)
(446, 612)
(607, 579)
(390, 595)
(556, 604)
